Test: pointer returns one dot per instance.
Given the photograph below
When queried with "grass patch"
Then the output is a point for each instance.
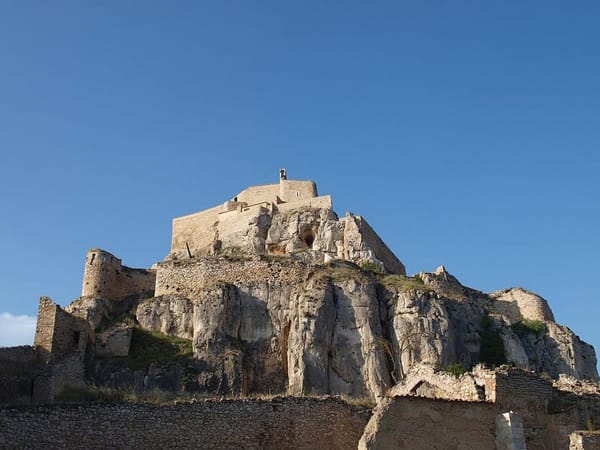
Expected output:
(335, 273)
(370, 266)
(110, 395)
(527, 326)
(455, 369)
(149, 347)
(361, 403)
(403, 283)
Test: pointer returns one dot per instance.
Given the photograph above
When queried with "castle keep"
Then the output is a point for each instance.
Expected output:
(271, 292)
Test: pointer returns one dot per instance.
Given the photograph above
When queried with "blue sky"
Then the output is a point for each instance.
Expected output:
(467, 133)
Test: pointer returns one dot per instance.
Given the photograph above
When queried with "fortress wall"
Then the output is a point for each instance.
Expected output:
(294, 190)
(518, 389)
(281, 423)
(189, 277)
(314, 203)
(259, 194)
(195, 229)
(17, 368)
(17, 359)
(106, 277)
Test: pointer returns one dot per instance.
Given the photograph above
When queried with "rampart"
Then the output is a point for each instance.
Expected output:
(280, 423)
(104, 276)
(189, 277)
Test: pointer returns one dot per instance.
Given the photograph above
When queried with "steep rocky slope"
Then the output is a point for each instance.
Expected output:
(282, 325)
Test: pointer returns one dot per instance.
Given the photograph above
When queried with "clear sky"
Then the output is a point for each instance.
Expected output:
(467, 133)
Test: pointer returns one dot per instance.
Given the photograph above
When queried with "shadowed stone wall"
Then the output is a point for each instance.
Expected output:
(281, 423)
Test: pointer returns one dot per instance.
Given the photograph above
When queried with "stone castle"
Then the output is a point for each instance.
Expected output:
(272, 293)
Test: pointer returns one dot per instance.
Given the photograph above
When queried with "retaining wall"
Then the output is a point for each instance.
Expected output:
(281, 423)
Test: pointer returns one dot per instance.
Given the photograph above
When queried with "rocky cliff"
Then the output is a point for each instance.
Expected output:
(272, 292)
(263, 324)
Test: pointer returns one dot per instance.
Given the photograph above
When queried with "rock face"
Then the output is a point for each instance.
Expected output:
(338, 329)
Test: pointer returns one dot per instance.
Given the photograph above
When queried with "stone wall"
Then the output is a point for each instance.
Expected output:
(312, 203)
(281, 423)
(294, 190)
(195, 230)
(17, 359)
(584, 440)
(259, 194)
(105, 277)
(58, 333)
(189, 277)
(17, 368)
(419, 423)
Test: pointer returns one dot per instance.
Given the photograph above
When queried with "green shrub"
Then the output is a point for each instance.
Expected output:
(370, 266)
(149, 347)
(491, 349)
(91, 394)
(455, 369)
(527, 326)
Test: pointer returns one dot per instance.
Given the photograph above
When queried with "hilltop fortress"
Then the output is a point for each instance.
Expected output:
(272, 293)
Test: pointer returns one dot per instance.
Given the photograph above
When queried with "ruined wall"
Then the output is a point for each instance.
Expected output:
(584, 440)
(281, 423)
(17, 369)
(44, 329)
(58, 333)
(188, 277)
(104, 276)
(419, 423)
(17, 359)
(549, 414)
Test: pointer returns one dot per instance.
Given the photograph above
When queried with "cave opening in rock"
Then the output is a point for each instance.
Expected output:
(308, 237)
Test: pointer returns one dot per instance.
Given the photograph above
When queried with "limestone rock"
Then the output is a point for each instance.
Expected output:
(114, 342)
(92, 309)
(341, 330)
(169, 314)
